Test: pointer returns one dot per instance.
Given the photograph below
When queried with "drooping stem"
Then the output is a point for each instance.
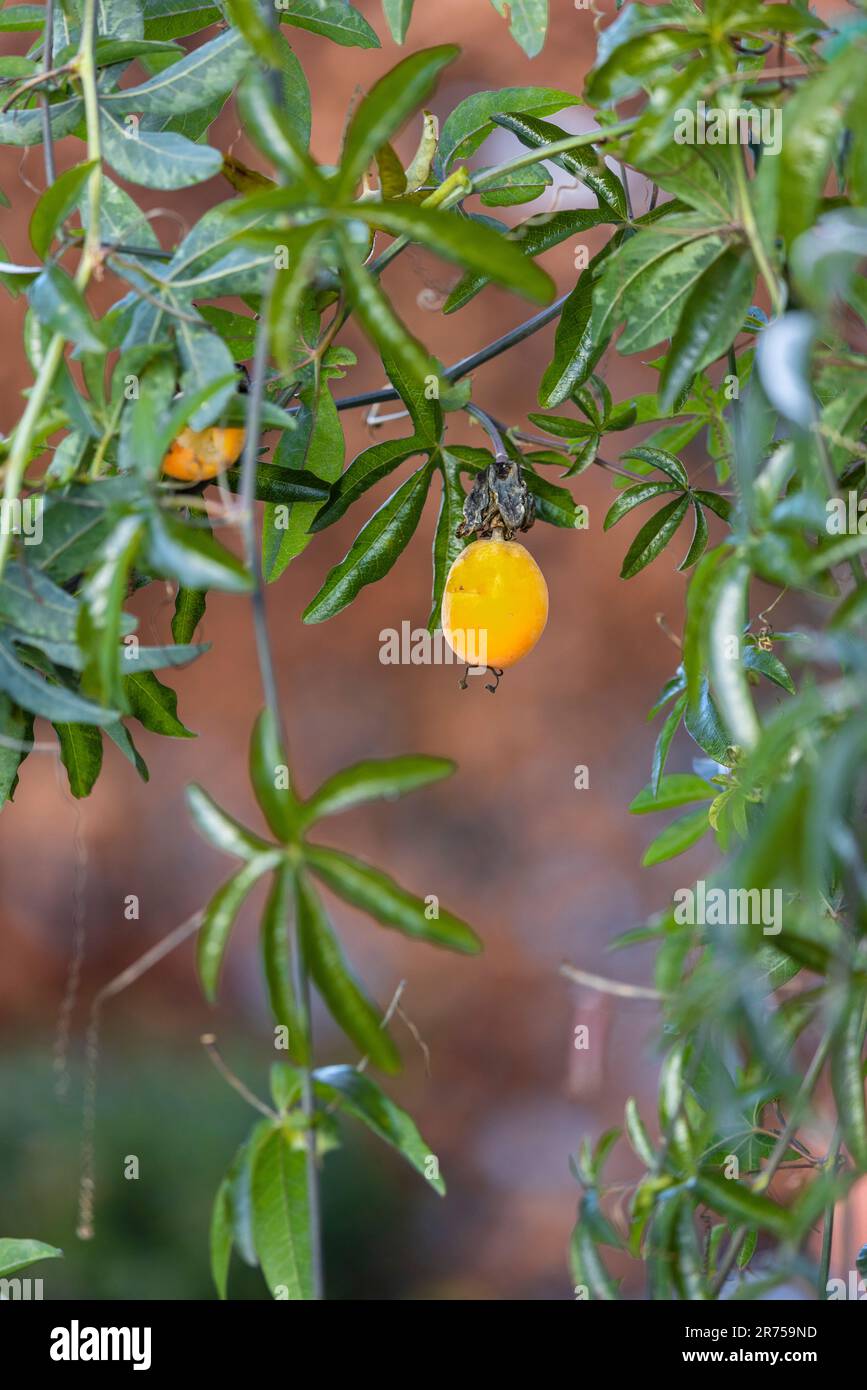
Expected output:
(828, 1223)
(47, 137)
(253, 557)
(753, 235)
(490, 427)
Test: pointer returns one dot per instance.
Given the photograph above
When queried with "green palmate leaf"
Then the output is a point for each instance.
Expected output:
(847, 1076)
(281, 1216)
(44, 698)
(468, 242)
(18, 1254)
(221, 1237)
(725, 644)
(271, 778)
(650, 278)
(56, 204)
(472, 121)
(60, 304)
(528, 22)
(154, 705)
(219, 916)
(222, 829)
(675, 790)
(397, 14)
(375, 549)
(277, 960)
(81, 755)
(390, 102)
(583, 164)
(712, 317)
(676, 838)
(737, 1202)
(376, 893)
(347, 1005)
(372, 780)
(361, 1097)
(334, 19)
(653, 537)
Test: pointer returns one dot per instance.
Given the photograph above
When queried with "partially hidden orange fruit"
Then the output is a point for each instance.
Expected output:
(197, 455)
(495, 604)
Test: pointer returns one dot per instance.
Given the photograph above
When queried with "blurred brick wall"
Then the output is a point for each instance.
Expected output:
(543, 871)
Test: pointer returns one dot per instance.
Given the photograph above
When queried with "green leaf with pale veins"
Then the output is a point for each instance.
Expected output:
(333, 19)
(154, 705)
(281, 1216)
(18, 1254)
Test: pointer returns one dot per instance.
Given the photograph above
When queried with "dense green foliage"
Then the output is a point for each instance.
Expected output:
(773, 400)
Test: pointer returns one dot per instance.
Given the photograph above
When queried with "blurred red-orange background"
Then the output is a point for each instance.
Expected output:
(545, 872)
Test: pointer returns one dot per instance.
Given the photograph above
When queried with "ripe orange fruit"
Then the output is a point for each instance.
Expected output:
(495, 604)
(200, 454)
